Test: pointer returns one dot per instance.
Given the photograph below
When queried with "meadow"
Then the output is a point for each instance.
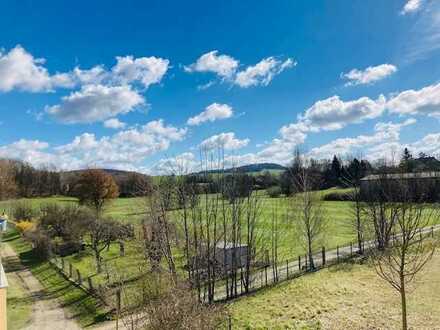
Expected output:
(345, 296)
(130, 210)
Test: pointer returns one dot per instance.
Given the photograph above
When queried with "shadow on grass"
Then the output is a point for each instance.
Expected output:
(84, 308)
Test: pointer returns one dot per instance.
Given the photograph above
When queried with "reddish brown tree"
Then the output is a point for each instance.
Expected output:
(95, 188)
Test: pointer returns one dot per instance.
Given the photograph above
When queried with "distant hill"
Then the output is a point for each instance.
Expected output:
(253, 168)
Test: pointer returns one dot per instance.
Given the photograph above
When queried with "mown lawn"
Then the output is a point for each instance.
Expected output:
(86, 309)
(347, 296)
(19, 305)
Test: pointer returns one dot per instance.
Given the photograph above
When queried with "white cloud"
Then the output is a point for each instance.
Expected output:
(114, 123)
(385, 134)
(31, 151)
(334, 113)
(213, 112)
(226, 68)
(223, 65)
(411, 6)
(96, 103)
(263, 72)
(20, 70)
(228, 141)
(146, 70)
(369, 75)
(123, 150)
(423, 39)
(181, 164)
(423, 101)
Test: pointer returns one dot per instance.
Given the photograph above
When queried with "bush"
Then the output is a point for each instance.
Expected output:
(338, 196)
(23, 211)
(25, 226)
(274, 192)
(40, 243)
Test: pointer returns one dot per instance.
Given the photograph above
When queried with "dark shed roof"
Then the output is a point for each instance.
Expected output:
(396, 176)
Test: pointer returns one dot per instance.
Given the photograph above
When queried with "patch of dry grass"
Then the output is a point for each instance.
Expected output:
(349, 296)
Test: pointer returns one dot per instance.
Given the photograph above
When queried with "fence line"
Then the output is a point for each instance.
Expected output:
(270, 275)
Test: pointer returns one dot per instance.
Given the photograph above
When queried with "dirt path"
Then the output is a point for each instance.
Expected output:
(46, 313)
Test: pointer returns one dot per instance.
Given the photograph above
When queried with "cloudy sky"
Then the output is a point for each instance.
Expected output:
(141, 85)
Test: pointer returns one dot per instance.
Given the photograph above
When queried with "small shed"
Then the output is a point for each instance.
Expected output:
(229, 254)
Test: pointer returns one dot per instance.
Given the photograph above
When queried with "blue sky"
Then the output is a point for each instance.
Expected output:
(144, 85)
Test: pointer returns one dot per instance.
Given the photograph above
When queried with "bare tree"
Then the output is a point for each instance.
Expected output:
(8, 187)
(102, 232)
(308, 215)
(412, 247)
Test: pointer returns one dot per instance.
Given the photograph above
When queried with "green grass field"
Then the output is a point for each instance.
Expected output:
(346, 296)
(19, 307)
(130, 210)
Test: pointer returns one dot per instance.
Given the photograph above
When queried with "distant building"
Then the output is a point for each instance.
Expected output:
(225, 254)
(422, 185)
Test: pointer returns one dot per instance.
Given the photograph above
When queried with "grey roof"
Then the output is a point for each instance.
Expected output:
(229, 245)
(396, 176)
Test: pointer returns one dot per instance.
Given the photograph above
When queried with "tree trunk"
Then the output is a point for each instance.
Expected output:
(403, 297)
(98, 262)
(311, 263)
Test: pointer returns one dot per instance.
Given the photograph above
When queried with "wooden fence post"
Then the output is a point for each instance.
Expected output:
(432, 231)
(323, 256)
(89, 280)
(62, 264)
(79, 276)
(305, 257)
(265, 272)
(337, 253)
(70, 270)
(118, 307)
(287, 267)
(299, 263)
(351, 249)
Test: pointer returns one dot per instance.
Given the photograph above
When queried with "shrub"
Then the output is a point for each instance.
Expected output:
(25, 226)
(274, 192)
(41, 243)
(22, 211)
(338, 196)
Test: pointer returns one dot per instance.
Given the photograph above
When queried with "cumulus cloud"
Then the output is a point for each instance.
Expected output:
(334, 113)
(222, 65)
(228, 141)
(386, 134)
(184, 163)
(20, 70)
(263, 72)
(114, 123)
(227, 68)
(95, 103)
(369, 75)
(123, 150)
(424, 101)
(146, 70)
(213, 112)
(411, 6)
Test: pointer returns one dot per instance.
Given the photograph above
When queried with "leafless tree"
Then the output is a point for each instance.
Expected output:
(8, 187)
(399, 262)
(309, 220)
